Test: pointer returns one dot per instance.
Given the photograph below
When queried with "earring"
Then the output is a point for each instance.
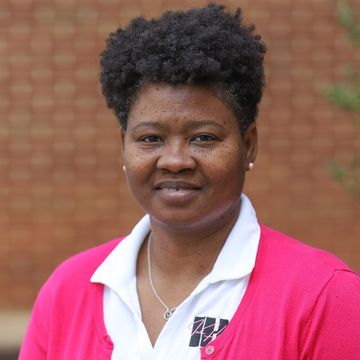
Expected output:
(124, 168)
(251, 165)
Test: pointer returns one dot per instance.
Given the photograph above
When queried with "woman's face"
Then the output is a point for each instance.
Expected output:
(185, 157)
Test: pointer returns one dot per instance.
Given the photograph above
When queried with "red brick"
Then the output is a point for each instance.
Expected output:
(61, 184)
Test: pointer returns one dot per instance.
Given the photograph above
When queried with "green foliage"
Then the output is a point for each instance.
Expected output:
(347, 19)
(347, 96)
(348, 177)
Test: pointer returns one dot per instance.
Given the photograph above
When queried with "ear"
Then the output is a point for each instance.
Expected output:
(250, 141)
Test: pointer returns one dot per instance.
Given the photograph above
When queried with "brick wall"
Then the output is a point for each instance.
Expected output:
(61, 184)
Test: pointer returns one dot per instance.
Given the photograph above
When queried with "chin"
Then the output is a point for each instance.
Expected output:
(198, 220)
(178, 222)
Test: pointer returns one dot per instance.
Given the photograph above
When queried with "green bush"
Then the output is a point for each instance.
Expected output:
(346, 95)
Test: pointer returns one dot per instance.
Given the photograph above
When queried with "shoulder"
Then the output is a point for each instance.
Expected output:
(316, 285)
(82, 265)
(68, 294)
(298, 270)
(287, 251)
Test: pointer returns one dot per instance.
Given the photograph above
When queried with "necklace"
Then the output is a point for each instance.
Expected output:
(168, 311)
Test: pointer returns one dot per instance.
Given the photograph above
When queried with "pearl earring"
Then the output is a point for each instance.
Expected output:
(124, 168)
(251, 165)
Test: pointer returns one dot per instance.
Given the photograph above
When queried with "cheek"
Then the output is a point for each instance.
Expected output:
(228, 160)
(139, 167)
(230, 171)
(133, 159)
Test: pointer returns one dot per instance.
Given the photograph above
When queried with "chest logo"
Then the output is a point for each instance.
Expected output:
(205, 329)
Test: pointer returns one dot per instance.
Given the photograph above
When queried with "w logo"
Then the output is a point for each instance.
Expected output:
(205, 329)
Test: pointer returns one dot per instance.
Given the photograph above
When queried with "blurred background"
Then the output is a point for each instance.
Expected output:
(61, 185)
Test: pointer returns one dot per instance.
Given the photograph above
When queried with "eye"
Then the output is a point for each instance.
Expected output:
(151, 139)
(204, 138)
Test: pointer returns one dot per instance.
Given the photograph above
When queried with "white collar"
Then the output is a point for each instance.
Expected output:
(238, 255)
(119, 268)
(236, 259)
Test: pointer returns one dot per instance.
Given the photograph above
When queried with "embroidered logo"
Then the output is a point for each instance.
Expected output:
(204, 329)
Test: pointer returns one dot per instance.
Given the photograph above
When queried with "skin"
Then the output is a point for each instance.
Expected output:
(185, 164)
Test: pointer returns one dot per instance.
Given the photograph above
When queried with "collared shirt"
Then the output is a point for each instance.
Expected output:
(201, 317)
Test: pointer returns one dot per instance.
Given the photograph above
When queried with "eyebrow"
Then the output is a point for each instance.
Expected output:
(193, 124)
(150, 124)
(201, 123)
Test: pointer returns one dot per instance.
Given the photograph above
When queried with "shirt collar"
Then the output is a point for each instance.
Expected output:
(238, 255)
(236, 259)
(119, 268)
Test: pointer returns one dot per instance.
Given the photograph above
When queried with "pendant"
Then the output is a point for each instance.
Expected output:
(168, 313)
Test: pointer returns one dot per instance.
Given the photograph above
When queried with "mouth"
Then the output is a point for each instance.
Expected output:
(177, 191)
(176, 186)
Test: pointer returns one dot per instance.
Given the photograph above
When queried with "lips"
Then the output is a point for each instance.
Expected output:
(177, 192)
(176, 185)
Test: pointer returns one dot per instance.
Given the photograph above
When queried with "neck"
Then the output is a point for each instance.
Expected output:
(188, 253)
(179, 261)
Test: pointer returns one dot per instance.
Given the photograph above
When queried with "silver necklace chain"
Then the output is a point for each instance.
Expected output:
(168, 311)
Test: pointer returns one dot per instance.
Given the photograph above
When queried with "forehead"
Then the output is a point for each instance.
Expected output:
(173, 103)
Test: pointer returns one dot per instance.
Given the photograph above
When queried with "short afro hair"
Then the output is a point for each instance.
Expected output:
(207, 46)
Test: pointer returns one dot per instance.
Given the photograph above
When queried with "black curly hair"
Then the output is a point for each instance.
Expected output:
(208, 46)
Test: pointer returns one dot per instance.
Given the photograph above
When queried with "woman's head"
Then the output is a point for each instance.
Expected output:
(207, 46)
(185, 157)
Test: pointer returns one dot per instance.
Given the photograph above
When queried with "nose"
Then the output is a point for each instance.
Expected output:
(176, 158)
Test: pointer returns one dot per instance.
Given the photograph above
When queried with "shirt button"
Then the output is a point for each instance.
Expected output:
(209, 350)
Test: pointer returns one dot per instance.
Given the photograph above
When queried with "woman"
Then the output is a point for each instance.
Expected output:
(198, 277)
